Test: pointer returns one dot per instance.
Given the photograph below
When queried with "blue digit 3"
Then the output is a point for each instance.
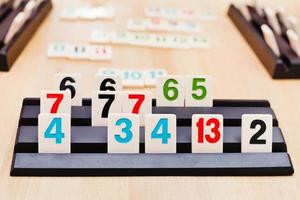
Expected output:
(162, 124)
(57, 135)
(126, 130)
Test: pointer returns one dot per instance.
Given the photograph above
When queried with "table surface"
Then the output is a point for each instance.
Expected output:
(237, 73)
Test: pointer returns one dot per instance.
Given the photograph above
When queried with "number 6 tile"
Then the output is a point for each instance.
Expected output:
(72, 83)
(108, 83)
(170, 91)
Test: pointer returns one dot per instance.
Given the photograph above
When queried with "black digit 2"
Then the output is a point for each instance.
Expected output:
(263, 127)
(63, 86)
(104, 87)
(111, 98)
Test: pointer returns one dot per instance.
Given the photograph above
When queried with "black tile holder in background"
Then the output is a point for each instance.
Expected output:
(4, 9)
(10, 51)
(285, 66)
(89, 155)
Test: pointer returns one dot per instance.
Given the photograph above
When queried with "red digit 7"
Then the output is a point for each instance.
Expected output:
(59, 98)
(140, 99)
(214, 130)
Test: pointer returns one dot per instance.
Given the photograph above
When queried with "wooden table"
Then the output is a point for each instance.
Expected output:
(237, 73)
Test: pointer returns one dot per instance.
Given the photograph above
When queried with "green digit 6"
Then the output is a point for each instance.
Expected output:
(167, 89)
(196, 86)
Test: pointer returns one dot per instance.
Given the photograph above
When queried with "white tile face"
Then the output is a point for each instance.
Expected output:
(156, 24)
(88, 13)
(136, 25)
(108, 83)
(121, 37)
(160, 133)
(72, 83)
(100, 53)
(151, 76)
(207, 133)
(109, 71)
(69, 14)
(55, 101)
(133, 78)
(257, 133)
(199, 91)
(123, 133)
(153, 11)
(78, 51)
(199, 42)
(170, 91)
(160, 41)
(270, 39)
(58, 50)
(101, 37)
(137, 103)
(103, 104)
(140, 39)
(54, 133)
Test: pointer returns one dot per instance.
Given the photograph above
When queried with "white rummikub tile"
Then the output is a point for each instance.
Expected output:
(172, 13)
(123, 133)
(108, 83)
(199, 91)
(55, 101)
(160, 133)
(207, 133)
(151, 76)
(58, 50)
(87, 13)
(100, 37)
(100, 52)
(294, 41)
(180, 41)
(272, 20)
(270, 39)
(105, 13)
(141, 39)
(72, 83)
(133, 78)
(79, 51)
(109, 71)
(54, 133)
(156, 24)
(190, 27)
(121, 37)
(199, 42)
(170, 91)
(158, 40)
(137, 24)
(151, 11)
(69, 14)
(137, 102)
(103, 104)
(175, 25)
(257, 133)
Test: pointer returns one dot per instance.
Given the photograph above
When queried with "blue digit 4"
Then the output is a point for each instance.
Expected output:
(126, 130)
(164, 134)
(57, 135)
